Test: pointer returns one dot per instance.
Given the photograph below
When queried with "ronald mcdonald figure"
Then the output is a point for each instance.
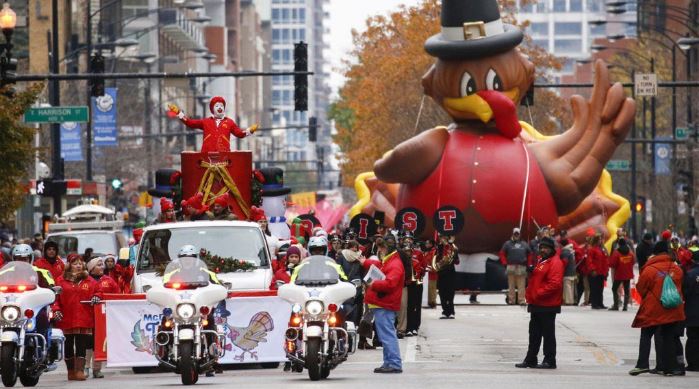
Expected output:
(217, 128)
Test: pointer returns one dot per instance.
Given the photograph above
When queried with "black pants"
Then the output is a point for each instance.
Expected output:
(414, 307)
(446, 286)
(76, 345)
(667, 355)
(615, 292)
(542, 325)
(692, 348)
(580, 288)
(596, 289)
(647, 334)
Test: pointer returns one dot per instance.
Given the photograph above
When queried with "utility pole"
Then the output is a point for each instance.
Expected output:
(88, 125)
(634, 195)
(55, 100)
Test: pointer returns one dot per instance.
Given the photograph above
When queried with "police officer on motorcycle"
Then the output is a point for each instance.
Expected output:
(24, 253)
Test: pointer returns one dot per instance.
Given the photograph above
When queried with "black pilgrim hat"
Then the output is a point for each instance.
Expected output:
(472, 29)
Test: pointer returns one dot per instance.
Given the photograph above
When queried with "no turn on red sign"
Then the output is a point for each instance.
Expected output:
(645, 84)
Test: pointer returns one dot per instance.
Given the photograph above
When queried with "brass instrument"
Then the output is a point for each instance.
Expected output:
(444, 256)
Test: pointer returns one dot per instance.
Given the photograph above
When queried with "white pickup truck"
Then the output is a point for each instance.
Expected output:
(226, 239)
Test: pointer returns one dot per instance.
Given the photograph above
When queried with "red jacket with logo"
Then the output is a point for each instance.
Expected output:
(216, 138)
(386, 293)
(622, 265)
(545, 287)
(75, 313)
(56, 269)
(106, 284)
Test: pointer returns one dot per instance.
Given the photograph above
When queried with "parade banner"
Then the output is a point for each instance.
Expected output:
(254, 328)
(71, 142)
(104, 124)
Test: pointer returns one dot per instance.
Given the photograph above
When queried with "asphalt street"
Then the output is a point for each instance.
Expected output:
(478, 349)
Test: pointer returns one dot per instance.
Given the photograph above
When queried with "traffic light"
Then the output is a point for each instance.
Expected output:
(117, 184)
(300, 80)
(50, 187)
(97, 84)
(8, 72)
(640, 205)
(312, 129)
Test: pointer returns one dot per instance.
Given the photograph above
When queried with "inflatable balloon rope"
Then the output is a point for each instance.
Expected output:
(217, 171)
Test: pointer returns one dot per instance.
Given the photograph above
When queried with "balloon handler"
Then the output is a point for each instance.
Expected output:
(217, 128)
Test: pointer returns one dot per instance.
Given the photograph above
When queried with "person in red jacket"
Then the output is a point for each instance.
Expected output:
(167, 211)
(599, 269)
(544, 296)
(383, 297)
(653, 318)
(105, 284)
(123, 271)
(76, 317)
(622, 261)
(283, 273)
(51, 261)
(680, 254)
(217, 128)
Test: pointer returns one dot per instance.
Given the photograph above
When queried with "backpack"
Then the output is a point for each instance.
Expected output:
(670, 296)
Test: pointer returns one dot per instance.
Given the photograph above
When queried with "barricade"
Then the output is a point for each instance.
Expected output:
(253, 322)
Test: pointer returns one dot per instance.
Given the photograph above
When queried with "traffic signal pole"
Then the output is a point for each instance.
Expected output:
(55, 100)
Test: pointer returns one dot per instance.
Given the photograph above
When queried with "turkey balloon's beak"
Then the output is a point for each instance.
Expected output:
(475, 106)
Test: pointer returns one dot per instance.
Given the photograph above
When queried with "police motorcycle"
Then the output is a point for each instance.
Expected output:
(187, 341)
(317, 337)
(25, 351)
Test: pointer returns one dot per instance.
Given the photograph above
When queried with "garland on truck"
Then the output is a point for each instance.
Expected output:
(217, 264)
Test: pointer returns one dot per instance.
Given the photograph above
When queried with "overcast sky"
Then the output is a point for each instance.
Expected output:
(346, 15)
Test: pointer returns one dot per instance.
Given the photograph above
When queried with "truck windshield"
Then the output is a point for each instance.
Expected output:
(158, 247)
(75, 242)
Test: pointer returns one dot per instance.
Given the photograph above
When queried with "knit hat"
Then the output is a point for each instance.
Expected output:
(74, 256)
(293, 250)
(647, 236)
(661, 247)
(94, 262)
(137, 234)
(166, 204)
(257, 214)
(214, 100)
(222, 200)
(666, 235)
(546, 241)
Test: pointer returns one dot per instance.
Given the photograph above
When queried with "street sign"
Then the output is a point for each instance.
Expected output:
(619, 165)
(645, 84)
(649, 211)
(56, 115)
(681, 133)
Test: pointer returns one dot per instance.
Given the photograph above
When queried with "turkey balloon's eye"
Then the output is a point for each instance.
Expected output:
(493, 81)
(468, 85)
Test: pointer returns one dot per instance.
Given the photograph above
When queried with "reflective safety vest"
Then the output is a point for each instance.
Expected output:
(46, 274)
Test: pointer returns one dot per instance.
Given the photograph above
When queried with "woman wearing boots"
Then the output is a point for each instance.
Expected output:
(77, 320)
(105, 284)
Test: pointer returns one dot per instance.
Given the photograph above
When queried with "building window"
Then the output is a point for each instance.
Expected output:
(576, 5)
(541, 6)
(539, 28)
(302, 15)
(568, 46)
(568, 28)
(598, 30)
(595, 5)
(559, 5)
(543, 43)
(275, 14)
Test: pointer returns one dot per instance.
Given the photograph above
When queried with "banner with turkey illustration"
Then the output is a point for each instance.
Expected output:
(254, 328)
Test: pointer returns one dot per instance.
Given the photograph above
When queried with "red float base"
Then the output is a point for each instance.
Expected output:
(239, 166)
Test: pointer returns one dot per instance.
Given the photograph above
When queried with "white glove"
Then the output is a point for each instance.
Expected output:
(180, 115)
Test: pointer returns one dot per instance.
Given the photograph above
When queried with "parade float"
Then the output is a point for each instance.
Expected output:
(488, 168)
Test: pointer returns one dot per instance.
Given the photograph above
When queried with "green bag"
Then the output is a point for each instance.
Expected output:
(670, 297)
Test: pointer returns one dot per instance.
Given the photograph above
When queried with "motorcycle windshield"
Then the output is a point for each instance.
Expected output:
(317, 270)
(186, 273)
(18, 276)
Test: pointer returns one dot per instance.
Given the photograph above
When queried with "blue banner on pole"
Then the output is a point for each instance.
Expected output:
(71, 142)
(663, 155)
(104, 125)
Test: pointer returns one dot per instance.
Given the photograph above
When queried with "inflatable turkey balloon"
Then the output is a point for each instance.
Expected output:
(497, 174)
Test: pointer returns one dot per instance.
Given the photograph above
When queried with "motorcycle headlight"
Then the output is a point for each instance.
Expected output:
(185, 311)
(314, 307)
(10, 313)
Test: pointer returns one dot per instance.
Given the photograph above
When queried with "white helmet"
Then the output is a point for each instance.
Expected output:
(188, 250)
(22, 251)
(318, 242)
